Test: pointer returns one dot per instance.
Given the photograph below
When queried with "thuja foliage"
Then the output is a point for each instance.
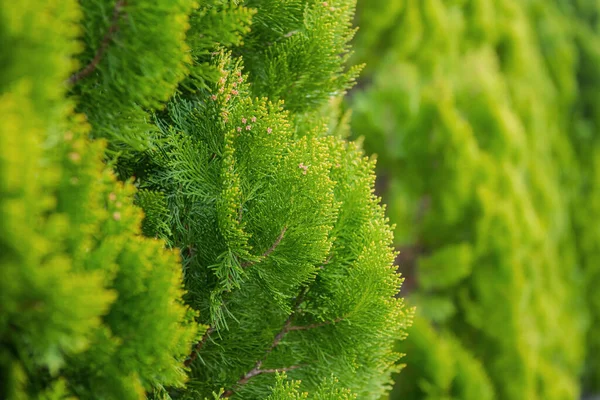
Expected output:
(139, 74)
(484, 117)
(283, 228)
(88, 307)
(284, 250)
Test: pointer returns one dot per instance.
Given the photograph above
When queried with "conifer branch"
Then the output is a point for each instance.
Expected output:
(287, 327)
(194, 354)
(269, 250)
(114, 27)
(276, 243)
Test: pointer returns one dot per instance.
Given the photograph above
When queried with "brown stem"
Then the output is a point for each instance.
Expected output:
(194, 354)
(114, 27)
(190, 250)
(269, 250)
(276, 243)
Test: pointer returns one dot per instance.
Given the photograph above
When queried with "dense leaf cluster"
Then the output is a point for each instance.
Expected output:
(88, 307)
(284, 250)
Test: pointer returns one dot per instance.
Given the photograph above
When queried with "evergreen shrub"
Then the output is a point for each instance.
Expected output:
(89, 307)
(267, 213)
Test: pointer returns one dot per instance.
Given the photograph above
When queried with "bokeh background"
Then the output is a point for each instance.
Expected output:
(484, 118)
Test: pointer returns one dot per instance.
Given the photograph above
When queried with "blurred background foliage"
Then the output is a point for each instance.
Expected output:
(484, 117)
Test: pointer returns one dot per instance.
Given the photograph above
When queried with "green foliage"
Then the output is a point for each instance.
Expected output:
(439, 367)
(281, 225)
(285, 252)
(284, 246)
(134, 56)
(585, 137)
(216, 23)
(297, 49)
(482, 114)
(89, 308)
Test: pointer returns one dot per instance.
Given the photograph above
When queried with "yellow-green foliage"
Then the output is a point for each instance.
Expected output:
(89, 308)
(438, 367)
(327, 390)
(483, 118)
